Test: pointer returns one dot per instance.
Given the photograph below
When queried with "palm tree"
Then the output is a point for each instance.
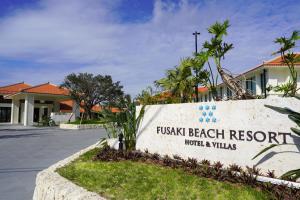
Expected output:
(289, 58)
(217, 49)
(207, 77)
(179, 81)
(197, 63)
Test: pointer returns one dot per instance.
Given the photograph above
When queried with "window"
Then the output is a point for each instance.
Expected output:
(263, 83)
(229, 93)
(250, 85)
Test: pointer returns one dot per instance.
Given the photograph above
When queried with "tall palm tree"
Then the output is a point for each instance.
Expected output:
(207, 77)
(288, 58)
(217, 49)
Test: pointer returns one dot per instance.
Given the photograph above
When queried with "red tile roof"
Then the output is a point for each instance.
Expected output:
(278, 60)
(14, 88)
(202, 89)
(66, 106)
(47, 88)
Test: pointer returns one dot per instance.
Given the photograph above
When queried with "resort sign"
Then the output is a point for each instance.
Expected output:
(198, 137)
(231, 132)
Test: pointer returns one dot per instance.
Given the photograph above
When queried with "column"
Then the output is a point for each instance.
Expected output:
(258, 84)
(15, 105)
(28, 110)
(76, 109)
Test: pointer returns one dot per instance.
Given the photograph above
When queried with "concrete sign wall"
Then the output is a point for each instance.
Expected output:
(228, 131)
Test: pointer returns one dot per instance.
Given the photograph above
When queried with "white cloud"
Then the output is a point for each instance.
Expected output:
(60, 37)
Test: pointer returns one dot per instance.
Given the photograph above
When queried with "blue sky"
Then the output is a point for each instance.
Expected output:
(135, 41)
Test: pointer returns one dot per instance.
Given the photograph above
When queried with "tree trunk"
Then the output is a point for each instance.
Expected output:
(88, 111)
(229, 81)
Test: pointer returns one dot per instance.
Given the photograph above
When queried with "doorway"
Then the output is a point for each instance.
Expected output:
(36, 115)
(5, 113)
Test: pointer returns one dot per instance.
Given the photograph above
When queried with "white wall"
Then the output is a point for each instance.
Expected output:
(243, 116)
(59, 118)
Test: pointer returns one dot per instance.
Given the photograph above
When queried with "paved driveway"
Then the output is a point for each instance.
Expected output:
(26, 151)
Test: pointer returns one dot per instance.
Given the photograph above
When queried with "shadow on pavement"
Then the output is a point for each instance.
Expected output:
(13, 170)
(19, 136)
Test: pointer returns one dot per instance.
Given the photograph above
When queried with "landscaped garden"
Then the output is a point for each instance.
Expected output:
(131, 174)
(136, 178)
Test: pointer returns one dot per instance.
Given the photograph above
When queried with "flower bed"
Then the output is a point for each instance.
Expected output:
(137, 175)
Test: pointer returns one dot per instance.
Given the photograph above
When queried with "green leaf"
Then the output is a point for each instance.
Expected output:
(278, 109)
(295, 118)
(296, 131)
(297, 96)
(282, 110)
(294, 174)
(265, 149)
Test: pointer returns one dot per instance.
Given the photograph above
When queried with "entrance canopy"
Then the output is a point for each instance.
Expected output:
(30, 104)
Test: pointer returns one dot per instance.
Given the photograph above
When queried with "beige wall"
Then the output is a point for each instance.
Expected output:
(235, 120)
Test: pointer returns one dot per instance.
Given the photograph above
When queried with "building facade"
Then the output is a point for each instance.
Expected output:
(22, 103)
(258, 81)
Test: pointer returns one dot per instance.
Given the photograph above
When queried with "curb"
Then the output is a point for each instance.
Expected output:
(50, 185)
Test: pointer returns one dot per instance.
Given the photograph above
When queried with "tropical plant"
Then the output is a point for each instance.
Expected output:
(89, 90)
(147, 97)
(217, 49)
(295, 117)
(288, 58)
(179, 81)
(125, 122)
(197, 63)
(211, 80)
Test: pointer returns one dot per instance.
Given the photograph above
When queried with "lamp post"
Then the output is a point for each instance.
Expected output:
(196, 48)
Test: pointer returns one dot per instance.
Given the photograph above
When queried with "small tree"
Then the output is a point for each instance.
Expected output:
(288, 58)
(89, 90)
(180, 81)
(196, 64)
(125, 122)
(217, 49)
(147, 96)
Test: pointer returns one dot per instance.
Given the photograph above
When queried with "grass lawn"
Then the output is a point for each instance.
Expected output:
(91, 121)
(136, 180)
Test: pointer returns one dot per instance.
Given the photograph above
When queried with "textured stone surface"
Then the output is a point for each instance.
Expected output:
(238, 117)
(51, 186)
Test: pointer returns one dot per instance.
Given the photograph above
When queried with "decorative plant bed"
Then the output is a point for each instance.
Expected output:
(82, 126)
(136, 175)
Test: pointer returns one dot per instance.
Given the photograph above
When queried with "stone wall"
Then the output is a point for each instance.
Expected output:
(82, 126)
(227, 131)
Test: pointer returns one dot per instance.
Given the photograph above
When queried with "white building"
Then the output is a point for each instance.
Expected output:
(256, 80)
(22, 103)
